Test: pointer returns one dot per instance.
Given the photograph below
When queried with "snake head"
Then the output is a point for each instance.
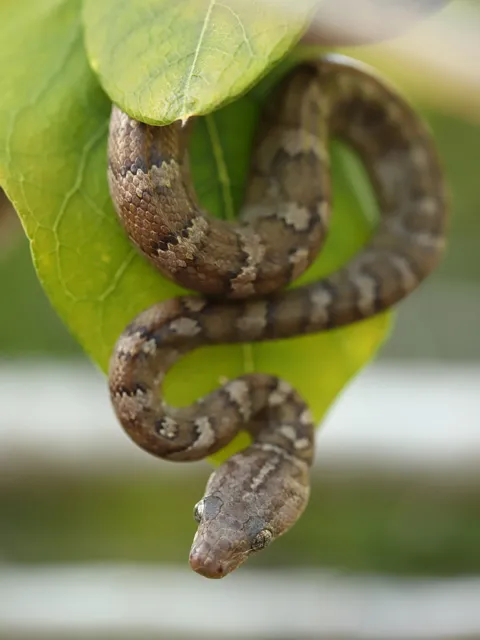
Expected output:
(225, 536)
(239, 515)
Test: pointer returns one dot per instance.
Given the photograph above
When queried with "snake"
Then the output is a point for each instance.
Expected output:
(239, 272)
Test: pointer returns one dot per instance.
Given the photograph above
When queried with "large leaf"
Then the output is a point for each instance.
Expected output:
(53, 132)
(164, 60)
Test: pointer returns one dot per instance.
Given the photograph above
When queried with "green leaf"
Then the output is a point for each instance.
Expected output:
(165, 60)
(53, 133)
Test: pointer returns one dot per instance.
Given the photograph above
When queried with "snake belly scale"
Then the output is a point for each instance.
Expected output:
(260, 492)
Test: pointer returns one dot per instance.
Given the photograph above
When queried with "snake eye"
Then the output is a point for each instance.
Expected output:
(198, 511)
(262, 540)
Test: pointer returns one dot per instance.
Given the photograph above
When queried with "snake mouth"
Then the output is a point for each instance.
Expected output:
(213, 572)
(207, 566)
(210, 562)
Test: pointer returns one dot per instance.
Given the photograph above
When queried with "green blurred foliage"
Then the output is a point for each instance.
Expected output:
(366, 523)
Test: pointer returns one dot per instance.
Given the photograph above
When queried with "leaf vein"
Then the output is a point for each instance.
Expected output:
(195, 57)
(241, 25)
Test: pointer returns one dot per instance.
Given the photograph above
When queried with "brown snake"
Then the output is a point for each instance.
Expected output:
(260, 492)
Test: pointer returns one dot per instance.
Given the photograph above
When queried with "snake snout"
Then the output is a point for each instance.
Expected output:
(207, 566)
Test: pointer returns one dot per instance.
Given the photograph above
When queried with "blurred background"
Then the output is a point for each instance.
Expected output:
(95, 534)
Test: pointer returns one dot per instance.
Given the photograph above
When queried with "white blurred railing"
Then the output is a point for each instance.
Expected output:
(410, 416)
(154, 602)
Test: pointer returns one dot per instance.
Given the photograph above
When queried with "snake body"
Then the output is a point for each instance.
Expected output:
(260, 492)
(283, 220)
